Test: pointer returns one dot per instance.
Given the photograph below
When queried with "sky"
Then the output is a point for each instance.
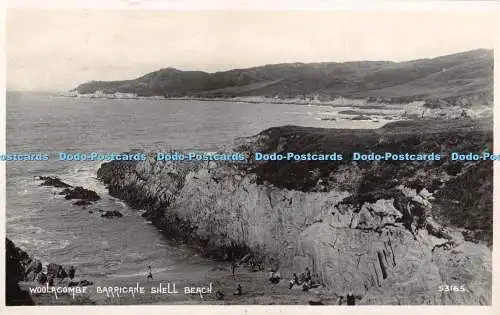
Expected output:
(55, 50)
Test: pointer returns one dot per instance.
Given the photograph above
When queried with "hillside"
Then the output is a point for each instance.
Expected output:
(459, 78)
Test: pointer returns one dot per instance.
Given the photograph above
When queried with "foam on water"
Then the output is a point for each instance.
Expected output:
(52, 229)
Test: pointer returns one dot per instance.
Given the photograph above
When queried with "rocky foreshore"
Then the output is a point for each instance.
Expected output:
(22, 268)
(390, 232)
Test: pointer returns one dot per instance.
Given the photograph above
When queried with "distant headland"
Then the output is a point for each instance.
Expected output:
(457, 79)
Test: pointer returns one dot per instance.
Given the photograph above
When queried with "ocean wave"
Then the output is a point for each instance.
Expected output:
(84, 175)
(121, 203)
(43, 245)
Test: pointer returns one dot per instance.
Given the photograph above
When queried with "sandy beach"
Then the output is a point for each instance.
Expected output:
(256, 289)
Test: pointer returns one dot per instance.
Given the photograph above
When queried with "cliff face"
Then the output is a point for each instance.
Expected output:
(15, 262)
(366, 227)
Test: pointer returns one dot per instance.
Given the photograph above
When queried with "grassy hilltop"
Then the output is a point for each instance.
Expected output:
(452, 79)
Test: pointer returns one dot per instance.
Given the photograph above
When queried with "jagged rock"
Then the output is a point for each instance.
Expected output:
(112, 214)
(53, 181)
(14, 273)
(33, 270)
(82, 203)
(82, 193)
(369, 245)
(41, 278)
(56, 271)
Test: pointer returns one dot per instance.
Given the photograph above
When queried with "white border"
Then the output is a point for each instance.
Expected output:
(310, 5)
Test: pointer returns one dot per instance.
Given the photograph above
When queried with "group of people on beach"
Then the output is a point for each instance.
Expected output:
(306, 280)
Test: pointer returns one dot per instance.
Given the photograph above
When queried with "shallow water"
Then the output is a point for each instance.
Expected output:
(52, 229)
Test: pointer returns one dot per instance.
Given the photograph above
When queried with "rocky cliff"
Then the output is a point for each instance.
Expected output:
(15, 271)
(379, 229)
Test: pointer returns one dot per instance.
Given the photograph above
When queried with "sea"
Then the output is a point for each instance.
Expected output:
(50, 228)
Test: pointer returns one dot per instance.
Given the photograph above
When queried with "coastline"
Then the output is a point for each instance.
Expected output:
(374, 109)
(336, 102)
(214, 193)
(309, 210)
(256, 289)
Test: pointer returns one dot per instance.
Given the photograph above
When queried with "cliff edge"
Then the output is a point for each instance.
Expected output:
(387, 231)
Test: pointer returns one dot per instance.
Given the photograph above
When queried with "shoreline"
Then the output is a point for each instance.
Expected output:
(133, 184)
(256, 281)
(337, 102)
(256, 289)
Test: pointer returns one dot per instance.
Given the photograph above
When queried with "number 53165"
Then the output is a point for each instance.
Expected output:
(451, 288)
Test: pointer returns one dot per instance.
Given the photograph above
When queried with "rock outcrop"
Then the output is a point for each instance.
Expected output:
(85, 196)
(53, 181)
(21, 267)
(15, 260)
(82, 194)
(365, 227)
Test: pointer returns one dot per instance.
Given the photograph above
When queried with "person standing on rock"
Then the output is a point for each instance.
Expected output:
(238, 290)
(234, 265)
(150, 274)
(294, 281)
(308, 274)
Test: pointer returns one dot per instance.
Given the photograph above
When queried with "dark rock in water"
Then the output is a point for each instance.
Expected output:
(90, 211)
(360, 117)
(53, 181)
(82, 193)
(65, 191)
(82, 203)
(111, 214)
(316, 302)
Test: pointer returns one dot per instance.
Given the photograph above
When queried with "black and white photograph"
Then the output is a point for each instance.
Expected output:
(167, 157)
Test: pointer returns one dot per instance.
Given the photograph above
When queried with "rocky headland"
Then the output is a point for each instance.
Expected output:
(390, 232)
(24, 271)
(457, 79)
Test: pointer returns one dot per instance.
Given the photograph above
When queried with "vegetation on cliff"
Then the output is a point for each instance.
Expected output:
(458, 79)
(391, 218)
